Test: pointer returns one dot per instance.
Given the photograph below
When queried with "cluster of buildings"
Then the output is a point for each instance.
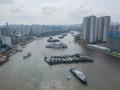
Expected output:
(100, 30)
(94, 29)
(45, 30)
(113, 37)
(11, 34)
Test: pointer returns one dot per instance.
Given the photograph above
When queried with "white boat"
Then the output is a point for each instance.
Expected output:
(79, 75)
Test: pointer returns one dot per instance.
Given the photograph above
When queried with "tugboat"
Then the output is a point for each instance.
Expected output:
(64, 35)
(50, 37)
(72, 33)
(27, 55)
(58, 46)
(61, 37)
(79, 75)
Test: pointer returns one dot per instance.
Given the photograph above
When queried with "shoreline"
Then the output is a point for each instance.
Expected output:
(100, 50)
(13, 50)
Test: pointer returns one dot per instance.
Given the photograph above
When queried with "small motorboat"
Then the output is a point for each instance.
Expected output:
(69, 77)
(79, 75)
(19, 48)
(27, 55)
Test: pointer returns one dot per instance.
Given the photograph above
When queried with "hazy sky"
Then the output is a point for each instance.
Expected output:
(55, 11)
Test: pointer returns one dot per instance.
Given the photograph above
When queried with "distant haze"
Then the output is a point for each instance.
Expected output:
(55, 11)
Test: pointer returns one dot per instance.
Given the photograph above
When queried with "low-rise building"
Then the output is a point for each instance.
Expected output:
(6, 40)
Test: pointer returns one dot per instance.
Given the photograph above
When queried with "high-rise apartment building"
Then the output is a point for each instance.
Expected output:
(88, 32)
(92, 28)
(95, 29)
(100, 29)
(106, 27)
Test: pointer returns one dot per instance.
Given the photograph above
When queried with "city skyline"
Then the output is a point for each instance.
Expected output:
(55, 11)
(59, 44)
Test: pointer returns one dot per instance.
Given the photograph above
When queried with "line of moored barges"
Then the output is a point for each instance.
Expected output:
(67, 59)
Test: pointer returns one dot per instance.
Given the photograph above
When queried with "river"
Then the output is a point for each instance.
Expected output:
(35, 74)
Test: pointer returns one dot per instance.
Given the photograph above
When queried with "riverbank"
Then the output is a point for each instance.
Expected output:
(12, 51)
(100, 50)
(35, 74)
(27, 42)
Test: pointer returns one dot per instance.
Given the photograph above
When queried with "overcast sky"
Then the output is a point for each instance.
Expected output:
(55, 11)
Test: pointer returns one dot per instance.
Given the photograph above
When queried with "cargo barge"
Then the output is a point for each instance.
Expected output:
(66, 59)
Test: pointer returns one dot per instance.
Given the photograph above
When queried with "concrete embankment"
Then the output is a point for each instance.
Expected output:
(100, 50)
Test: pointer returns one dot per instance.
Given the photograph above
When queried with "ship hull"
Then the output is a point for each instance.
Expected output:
(82, 81)
(2, 62)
